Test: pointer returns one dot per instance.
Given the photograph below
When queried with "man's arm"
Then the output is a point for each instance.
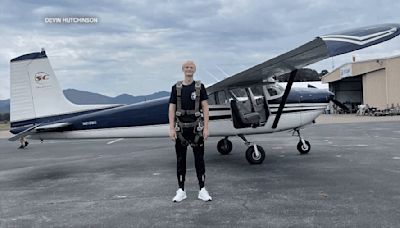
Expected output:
(206, 115)
(171, 117)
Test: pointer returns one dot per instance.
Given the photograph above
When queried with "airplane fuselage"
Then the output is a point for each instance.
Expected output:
(150, 119)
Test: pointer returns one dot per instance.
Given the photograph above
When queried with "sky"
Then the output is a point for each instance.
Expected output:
(137, 47)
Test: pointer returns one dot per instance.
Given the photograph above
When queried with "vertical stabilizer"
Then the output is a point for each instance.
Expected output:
(35, 91)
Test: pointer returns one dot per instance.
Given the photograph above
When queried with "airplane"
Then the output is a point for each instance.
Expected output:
(247, 103)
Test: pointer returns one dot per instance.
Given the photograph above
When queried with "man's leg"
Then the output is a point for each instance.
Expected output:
(180, 163)
(200, 171)
(198, 152)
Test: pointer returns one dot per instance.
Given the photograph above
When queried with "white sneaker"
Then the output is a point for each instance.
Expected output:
(203, 195)
(180, 195)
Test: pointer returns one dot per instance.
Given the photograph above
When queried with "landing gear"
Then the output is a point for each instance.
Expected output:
(224, 146)
(24, 143)
(303, 146)
(254, 154)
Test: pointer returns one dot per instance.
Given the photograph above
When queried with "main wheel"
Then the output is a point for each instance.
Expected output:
(224, 146)
(252, 157)
(304, 148)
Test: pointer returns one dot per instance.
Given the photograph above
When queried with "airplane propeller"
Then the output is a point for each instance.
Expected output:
(284, 98)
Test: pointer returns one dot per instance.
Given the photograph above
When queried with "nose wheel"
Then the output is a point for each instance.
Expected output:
(255, 154)
(224, 146)
(303, 146)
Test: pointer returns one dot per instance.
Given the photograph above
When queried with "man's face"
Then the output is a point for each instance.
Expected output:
(189, 69)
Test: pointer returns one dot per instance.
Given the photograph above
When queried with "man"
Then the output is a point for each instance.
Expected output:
(187, 127)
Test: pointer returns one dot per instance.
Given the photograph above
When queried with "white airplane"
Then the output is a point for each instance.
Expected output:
(247, 103)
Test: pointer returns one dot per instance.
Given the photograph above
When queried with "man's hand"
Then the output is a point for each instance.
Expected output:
(172, 134)
(205, 133)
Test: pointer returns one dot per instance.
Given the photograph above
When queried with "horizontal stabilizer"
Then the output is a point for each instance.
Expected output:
(22, 134)
(39, 128)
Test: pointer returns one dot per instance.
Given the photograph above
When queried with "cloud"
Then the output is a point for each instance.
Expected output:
(137, 46)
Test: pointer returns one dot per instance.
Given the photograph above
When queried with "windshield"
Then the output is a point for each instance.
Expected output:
(275, 90)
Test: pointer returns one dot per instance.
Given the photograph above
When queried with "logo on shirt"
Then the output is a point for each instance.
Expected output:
(193, 96)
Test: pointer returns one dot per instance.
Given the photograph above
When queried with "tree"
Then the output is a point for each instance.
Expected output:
(4, 116)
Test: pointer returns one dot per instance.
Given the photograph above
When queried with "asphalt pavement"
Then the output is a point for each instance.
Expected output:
(351, 178)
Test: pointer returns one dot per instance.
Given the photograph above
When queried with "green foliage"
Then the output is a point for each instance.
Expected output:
(303, 75)
(4, 117)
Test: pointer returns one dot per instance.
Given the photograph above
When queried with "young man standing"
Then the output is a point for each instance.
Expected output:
(189, 127)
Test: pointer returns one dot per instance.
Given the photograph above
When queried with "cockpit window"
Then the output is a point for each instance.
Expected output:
(239, 92)
(275, 90)
(221, 98)
(257, 90)
(272, 92)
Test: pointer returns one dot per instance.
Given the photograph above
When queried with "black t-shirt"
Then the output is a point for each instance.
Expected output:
(188, 96)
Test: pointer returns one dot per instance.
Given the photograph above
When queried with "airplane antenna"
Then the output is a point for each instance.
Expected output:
(212, 75)
(220, 69)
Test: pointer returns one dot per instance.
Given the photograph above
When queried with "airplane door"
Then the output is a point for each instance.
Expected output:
(249, 107)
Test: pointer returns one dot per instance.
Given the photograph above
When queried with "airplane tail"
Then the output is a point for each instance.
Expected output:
(35, 91)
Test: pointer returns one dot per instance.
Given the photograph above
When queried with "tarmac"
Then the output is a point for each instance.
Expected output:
(350, 178)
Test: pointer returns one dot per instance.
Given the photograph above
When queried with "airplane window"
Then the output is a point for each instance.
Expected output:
(239, 92)
(257, 90)
(211, 99)
(272, 92)
(275, 90)
(221, 97)
(279, 88)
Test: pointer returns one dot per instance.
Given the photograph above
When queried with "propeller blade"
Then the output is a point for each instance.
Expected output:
(284, 98)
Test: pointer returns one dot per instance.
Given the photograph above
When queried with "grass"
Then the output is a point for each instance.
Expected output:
(4, 126)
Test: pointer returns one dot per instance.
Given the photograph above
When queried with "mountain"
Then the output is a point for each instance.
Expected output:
(4, 106)
(84, 97)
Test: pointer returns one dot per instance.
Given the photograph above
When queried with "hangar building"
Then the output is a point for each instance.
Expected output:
(375, 82)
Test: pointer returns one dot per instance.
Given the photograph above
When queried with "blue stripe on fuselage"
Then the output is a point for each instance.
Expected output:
(144, 113)
(19, 126)
(141, 114)
(306, 95)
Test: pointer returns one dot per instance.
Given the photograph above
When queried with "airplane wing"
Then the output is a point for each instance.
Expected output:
(320, 48)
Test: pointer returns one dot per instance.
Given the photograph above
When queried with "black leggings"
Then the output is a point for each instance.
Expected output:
(198, 152)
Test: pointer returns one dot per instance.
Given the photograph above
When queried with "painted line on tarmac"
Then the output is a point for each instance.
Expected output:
(358, 145)
(114, 141)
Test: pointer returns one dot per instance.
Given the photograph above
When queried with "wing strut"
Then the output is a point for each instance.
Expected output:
(284, 98)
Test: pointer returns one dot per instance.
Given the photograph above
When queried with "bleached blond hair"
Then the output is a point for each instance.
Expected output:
(189, 62)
